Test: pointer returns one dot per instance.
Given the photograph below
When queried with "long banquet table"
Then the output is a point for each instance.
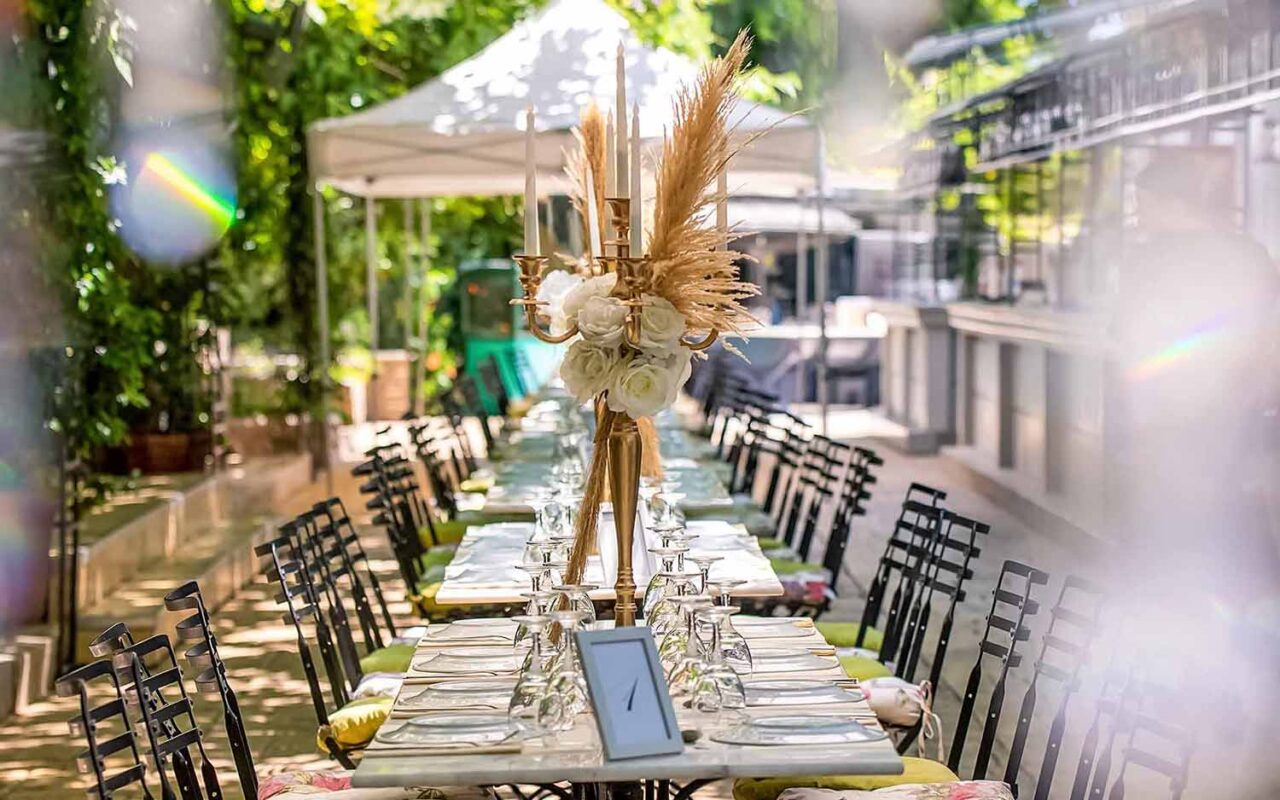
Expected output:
(575, 756)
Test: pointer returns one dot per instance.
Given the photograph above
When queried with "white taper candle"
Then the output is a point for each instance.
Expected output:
(620, 152)
(531, 246)
(637, 212)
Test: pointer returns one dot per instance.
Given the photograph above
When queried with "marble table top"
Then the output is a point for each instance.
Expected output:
(576, 755)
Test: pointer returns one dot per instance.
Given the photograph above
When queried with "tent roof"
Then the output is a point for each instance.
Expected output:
(463, 131)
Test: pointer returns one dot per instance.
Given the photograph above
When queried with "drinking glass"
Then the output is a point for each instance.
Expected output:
(722, 589)
(578, 598)
(531, 687)
(733, 645)
(538, 604)
(718, 687)
(566, 694)
(703, 563)
(685, 677)
(665, 610)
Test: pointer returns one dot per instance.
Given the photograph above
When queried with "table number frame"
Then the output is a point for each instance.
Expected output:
(598, 653)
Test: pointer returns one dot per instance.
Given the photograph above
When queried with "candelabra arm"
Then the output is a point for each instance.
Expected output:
(703, 344)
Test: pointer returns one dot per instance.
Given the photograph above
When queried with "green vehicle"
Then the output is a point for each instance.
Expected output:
(492, 327)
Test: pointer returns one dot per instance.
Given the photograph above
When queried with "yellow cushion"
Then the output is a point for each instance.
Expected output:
(787, 566)
(354, 724)
(915, 770)
(519, 407)
(438, 556)
(447, 532)
(479, 485)
(392, 658)
(862, 668)
(845, 634)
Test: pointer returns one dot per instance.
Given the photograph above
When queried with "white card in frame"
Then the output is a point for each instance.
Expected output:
(628, 693)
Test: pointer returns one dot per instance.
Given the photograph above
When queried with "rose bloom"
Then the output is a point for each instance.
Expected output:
(587, 369)
(646, 385)
(601, 320)
(553, 291)
(578, 296)
(661, 326)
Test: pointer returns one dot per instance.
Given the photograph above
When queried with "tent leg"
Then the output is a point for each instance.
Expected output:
(802, 296)
(322, 325)
(371, 294)
(820, 280)
(411, 279)
(424, 261)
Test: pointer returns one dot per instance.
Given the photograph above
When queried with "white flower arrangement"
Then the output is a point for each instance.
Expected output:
(640, 381)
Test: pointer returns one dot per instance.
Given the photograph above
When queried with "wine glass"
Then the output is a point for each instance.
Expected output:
(718, 687)
(722, 589)
(665, 611)
(578, 598)
(703, 563)
(566, 694)
(685, 675)
(733, 645)
(531, 687)
(538, 603)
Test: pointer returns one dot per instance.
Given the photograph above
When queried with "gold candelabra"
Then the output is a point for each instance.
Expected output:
(624, 442)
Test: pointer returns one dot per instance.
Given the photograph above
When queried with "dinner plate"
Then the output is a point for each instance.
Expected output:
(797, 693)
(789, 662)
(798, 729)
(450, 728)
(447, 663)
(459, 694)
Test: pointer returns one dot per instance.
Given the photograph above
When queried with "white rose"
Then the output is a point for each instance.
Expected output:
(587, 369)
(578, 296)
(601, 319)
(553, 291)
(680, 365)
(661, 326)
(641, 388)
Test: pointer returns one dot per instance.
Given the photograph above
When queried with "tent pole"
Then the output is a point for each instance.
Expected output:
(424, 264)
(322, 330)
(802, 294)
(820, 280)
(411, 277)
(371, 290)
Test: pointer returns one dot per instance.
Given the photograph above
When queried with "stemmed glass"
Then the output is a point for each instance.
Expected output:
(686, 676)
(732, 644)
(722, 589)
(659, 583)
(531, 688)
(566, 694)
(539, 602)
(665, 611)
(703, 563)
(674, 641)
(578, 598)
(718, 687)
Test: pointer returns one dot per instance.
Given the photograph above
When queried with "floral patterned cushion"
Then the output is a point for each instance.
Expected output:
(959, 790)
(303, 782)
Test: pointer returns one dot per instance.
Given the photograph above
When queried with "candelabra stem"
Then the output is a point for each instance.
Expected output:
(624, 484)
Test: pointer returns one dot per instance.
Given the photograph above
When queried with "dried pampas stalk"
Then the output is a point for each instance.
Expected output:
(691, 267)
(590, 153)
(584, 528)
(650, 449)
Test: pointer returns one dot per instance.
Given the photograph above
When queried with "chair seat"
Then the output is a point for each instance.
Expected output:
(354, 725)
(864, 668)
(392, 658)
(786, 566)
(915, 770)
(438, 556)
(477, 485)
(845, 634)
(449, 533)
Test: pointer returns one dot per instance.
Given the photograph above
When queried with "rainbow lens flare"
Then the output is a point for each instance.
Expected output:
(178, 204)
(1176, 351)
(220, 210)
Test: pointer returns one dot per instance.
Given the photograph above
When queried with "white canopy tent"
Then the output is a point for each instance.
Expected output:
(462, 133)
